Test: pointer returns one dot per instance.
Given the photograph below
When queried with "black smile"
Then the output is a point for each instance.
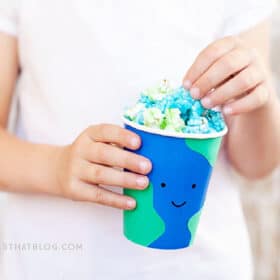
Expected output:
(178, 205)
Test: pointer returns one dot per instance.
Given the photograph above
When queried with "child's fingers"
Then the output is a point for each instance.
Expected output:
(255, 99)
(106, 154)
(110, 133)
(243, 82)
(99, 174)
(208, 56)
(231, 63)
(97, 194)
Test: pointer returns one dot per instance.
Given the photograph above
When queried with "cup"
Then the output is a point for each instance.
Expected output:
(168, 210)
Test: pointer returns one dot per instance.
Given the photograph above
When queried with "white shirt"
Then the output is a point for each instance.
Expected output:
(82, 61)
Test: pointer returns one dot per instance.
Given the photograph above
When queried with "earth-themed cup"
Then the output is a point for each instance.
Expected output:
(168, 210)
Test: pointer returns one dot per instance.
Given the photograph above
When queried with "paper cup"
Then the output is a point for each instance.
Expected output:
(168, 211)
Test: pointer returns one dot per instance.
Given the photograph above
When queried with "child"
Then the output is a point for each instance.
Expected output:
(73, 66)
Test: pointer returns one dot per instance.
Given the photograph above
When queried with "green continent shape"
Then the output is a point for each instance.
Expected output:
(192, 225)
(142, 225)
(209, 148)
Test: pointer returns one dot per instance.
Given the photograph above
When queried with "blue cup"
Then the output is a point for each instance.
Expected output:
(168, 211)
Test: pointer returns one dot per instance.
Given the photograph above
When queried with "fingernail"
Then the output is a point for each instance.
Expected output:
(227, 110)
(142, 182)
(195, 92)
(130, 203)
(134, 142)
(144, 166)
(207, 102)
(187, 84)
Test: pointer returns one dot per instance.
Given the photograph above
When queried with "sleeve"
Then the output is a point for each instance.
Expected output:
(241, 15)
(9, 16)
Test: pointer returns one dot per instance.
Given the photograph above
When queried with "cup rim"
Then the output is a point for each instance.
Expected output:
(175, 134)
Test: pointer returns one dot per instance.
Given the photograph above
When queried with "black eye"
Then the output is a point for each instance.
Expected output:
(193, 186)
(163, 185)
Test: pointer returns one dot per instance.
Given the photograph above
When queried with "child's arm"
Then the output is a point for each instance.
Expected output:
(261, 140)
(23, 166)
(238, 70)
(72, 171)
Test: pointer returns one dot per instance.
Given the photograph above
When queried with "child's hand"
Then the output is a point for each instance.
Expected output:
(227, 72)
(90, 161)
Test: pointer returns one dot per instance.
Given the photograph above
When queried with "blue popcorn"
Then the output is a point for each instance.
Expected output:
(198, 108)
(147, 101)
(215, 120)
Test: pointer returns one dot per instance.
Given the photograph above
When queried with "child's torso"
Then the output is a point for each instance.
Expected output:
(82, 61)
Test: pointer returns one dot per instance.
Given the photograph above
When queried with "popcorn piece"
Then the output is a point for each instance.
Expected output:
(173, 120)
(153, 117)
(199, 124)
(158, 92)
(216, 120)
(133, 112)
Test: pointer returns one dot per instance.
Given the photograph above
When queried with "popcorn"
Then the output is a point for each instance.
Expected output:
(153, 117)
(215, 119)
(174, 109)
(133, 112)
(173, 120)
(158, 92)
(197, 124)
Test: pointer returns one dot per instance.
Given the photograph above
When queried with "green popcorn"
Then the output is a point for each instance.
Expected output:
(158, 92)
(153, 117)
(132, 112)
(173, 120)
